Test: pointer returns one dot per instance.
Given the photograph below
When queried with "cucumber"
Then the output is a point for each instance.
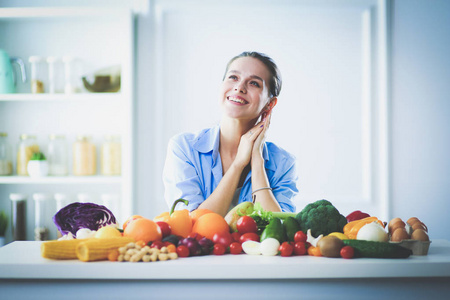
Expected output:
(377, 249)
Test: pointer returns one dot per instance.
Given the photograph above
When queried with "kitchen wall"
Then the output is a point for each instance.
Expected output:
(419, 111)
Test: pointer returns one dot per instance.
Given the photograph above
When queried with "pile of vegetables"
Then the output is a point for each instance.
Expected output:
(318, 230)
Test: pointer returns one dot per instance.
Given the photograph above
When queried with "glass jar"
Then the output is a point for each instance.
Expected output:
(57, 155)
(27, 146)
(5, 155)
(55, 75)
(18, 216)
(62, 200)
(111, 156)
(84, 156)
(111, 201)
(72, 74)
(38, 74)
(41, 232)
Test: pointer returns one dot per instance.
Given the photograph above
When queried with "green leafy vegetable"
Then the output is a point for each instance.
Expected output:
(38, 156)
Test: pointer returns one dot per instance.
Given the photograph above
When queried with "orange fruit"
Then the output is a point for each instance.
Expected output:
(132, 218)
(210, 224)
(143, 229)
(196, 214)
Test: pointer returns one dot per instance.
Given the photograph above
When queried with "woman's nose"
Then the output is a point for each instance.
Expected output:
(240, 87)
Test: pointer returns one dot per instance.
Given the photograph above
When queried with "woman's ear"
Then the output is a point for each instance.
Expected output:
(271, 104)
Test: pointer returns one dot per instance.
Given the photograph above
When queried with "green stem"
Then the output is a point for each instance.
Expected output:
(175, 204)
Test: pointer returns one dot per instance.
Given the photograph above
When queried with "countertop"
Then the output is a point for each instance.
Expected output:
(22, 260)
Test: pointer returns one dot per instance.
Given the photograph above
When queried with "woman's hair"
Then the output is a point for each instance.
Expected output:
(275, 79)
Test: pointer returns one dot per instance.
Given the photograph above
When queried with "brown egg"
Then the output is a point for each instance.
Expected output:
(398, 224)
(399, 235)
(412, 220)
(420, 235)
(391, 222)
(418, 225)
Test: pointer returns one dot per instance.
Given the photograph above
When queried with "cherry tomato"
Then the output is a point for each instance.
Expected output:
(249, 236)
(236, 236)
(246, 224)
(195, 235)
(166, 230)
(219, 249)
(300, 237)
(183, 251)
(347, 252)
(286, 249)
(223, 238)
(235, 248)
(299, 248)
(157, 244)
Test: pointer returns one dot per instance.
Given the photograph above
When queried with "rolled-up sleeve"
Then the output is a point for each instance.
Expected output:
(180, 177)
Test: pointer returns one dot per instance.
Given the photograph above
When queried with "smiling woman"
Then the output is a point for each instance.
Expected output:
(232, 163)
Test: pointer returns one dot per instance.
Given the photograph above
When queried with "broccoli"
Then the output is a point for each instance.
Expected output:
(321, 217)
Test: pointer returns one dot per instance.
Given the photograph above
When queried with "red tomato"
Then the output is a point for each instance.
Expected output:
(246, 224)
(236, 236)
(249, 236)
(183, 251)
(347, 252)
(300, 237)
(223, 238)
(299, 248)
(157, 244)
(219, 249)
(235, 248)
(165, 228)
(286, 249)
(195, 235)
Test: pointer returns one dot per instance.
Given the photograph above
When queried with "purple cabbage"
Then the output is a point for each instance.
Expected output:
(79, 215)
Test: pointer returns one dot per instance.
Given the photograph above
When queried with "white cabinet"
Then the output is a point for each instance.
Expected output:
(100, 37)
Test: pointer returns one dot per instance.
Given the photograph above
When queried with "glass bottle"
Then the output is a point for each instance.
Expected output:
(38, 75)
(84, 156)
(111, 156)
(18, 216)
(62, 200)
(73, 74)
(111, 201)
(27, 146)
(57, 155)
(5, 155)
(41, 231)
(55, 75)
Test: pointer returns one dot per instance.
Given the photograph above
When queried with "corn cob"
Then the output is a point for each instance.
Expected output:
(98, 249)
(60, 249)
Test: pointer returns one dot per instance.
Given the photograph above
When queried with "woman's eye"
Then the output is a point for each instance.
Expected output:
(255, 83)
(233, 77)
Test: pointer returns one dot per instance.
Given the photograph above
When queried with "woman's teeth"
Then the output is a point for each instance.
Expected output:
(237, 100)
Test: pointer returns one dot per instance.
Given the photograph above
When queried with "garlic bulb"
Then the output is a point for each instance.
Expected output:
(372, 232)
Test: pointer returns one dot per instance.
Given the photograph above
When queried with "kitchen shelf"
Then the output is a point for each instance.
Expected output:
(62, 97)
(61, 180)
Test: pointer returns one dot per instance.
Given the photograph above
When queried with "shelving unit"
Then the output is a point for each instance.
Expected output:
(100, 37)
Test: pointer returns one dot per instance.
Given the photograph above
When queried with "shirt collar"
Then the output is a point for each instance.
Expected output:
(209, 141)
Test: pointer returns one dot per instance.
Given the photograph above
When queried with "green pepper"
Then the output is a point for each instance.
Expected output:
(291, 225)
(275, 230)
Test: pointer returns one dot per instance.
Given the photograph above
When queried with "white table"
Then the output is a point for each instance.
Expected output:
(25, 274)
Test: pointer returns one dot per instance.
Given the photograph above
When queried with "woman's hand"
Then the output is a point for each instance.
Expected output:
(259, 142)
(246, 145)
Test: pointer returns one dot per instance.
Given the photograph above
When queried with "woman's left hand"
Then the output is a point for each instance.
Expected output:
(259, 142)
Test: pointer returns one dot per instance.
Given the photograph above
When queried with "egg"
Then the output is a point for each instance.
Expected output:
(391, 222)
(399, 235)
(418, 225)
(412, 220)
(398, 224)
(420, 235)
(251, 247)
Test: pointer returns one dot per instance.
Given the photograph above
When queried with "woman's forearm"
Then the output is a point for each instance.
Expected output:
(220, 199)
(259, 182)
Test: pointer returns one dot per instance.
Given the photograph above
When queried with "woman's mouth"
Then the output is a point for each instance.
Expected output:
(237, 99)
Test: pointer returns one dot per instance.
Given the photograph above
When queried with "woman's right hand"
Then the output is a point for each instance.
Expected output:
(246, 143)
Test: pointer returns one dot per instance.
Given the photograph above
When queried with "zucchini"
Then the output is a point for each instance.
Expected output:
(377, 249)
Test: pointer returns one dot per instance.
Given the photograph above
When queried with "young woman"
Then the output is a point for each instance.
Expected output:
(230, 163)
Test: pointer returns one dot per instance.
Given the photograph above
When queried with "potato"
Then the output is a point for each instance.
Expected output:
(330, 246)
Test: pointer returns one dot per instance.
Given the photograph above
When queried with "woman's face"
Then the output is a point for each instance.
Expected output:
(245, 89)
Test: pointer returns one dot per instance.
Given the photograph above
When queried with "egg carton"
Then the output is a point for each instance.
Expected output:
(417, 247)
